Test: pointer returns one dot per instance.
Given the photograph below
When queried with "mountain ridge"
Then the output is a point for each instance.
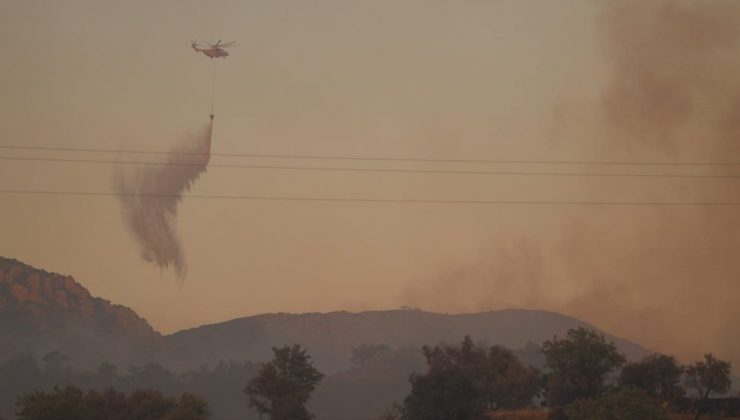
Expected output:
(330, 337)
(42, 311)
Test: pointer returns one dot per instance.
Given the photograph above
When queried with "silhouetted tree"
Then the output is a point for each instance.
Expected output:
(578, 366)
(188, 407)
(452, 386)
(627, 403)
(67, 404)
(506, 382)
(443, 395)
(71, 403)
(221, 386)
(658, 374)
(283, 386)
(708, 376)
(150, 405)
(109, 405)
(464, 381)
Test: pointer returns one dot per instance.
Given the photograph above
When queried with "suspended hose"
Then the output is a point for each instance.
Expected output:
(213, 88)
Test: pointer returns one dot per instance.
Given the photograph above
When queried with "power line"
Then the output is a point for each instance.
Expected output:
(369, 158)
(377, 200)
(374, 170)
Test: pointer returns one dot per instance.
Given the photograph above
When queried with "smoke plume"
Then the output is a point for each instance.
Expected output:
(664, 277)
(674, 83)
(674, 89)
(150, 195)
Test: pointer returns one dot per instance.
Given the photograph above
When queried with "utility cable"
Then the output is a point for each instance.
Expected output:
(369, 158)
(378, 170)
(380, 200)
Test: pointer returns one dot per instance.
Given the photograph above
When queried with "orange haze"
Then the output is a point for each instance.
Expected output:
(572, 80)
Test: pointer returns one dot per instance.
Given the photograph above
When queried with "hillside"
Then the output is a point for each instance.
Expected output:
(330, 337)
(41, 311)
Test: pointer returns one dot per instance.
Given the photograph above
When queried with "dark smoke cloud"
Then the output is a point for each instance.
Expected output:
(675, 89)
(674, 72)
(153, 219)
(664, 277)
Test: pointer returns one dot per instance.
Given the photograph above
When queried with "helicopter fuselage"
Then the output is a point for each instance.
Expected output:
(213, 52)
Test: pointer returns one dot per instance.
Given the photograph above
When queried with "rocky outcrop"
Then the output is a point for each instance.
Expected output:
(49, 299)
(42, 311)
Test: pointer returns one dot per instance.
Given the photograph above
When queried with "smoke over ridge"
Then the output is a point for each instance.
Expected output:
(150, 195)
(665, 277)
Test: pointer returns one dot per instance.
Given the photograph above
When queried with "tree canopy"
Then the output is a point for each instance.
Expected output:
(657, 374)
(579, 365)
(706, 377)
(506, 382)
(619, 404)
(283, 386)
(465, 381)
(71, 403)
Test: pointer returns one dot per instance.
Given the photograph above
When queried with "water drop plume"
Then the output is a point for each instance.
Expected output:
(150, 196)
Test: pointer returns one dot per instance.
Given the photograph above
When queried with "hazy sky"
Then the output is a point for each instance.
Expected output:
(510, 80)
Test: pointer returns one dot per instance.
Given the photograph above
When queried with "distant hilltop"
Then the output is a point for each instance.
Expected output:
(330, 337)
(42, 311)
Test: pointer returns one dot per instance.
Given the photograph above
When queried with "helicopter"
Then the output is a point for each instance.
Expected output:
(214, 50)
